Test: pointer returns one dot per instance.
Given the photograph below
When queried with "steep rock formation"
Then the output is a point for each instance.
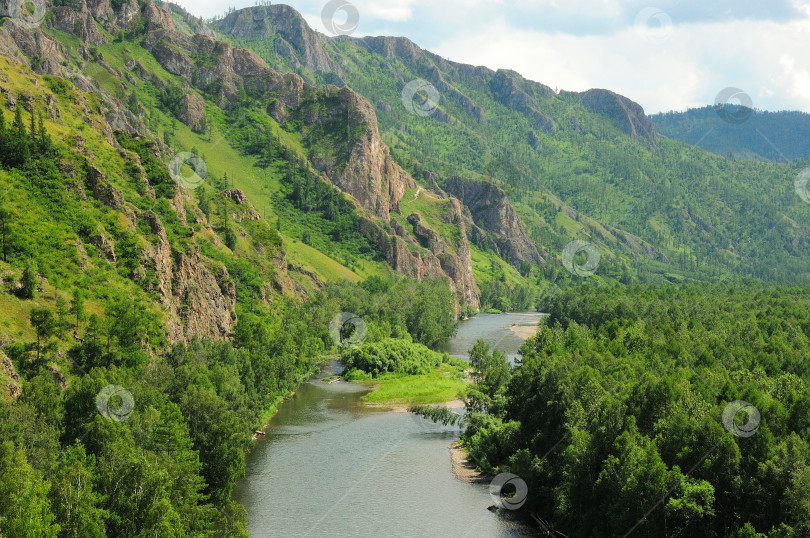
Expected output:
(369, 173)
(627, 115)
(200, 300)
(492, 212)
(403, 253)
(192, 111)
(286, 29)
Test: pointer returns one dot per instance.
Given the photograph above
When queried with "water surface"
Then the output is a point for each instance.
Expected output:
(331, 467)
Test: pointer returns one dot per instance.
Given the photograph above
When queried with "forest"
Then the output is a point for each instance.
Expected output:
(117, 432)
(655, 411)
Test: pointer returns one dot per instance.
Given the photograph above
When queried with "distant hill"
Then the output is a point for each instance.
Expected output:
(584, 166)
(772, 136)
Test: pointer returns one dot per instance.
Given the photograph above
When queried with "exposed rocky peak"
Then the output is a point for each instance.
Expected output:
(369, 173)
(392, 47)
(195, 25)
(286, 28)
(515, 92)
(627, 115)
(494, 215)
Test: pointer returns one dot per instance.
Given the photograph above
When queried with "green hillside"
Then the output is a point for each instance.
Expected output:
(709, 216)
(770, 136)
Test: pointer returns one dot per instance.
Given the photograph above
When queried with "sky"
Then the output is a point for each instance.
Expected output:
(671, 55)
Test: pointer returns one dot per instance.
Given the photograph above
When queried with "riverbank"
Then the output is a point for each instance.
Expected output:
(463, 468)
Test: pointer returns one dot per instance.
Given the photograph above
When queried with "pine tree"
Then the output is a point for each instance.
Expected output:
(28, 282)
(45, 141)
(18, 151)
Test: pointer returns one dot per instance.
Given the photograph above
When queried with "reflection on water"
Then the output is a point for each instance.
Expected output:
(330, 467)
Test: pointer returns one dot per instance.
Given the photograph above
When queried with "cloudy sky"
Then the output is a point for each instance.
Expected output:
(669, 56)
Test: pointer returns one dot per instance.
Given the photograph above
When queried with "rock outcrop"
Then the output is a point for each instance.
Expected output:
(363, 166)
(9, 379)
(496, 219)
(200, 299)
(515, 92)
(290, 34)
(436, 259)
(627, 115)
(191, 111)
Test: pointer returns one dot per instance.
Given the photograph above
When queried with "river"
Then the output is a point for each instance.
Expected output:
(330, 467)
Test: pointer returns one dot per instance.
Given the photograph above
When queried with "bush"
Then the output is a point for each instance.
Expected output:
(392, 355)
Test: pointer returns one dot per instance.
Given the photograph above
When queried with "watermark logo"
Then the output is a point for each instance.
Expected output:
(115, 403)
(801, 184)
(733, 105)
(195, 163)
(423, 89)
(29, 13)
(347, 330)
(734, 412)
(501, 498)
(591, 262)
(330, 20)
(653, 25)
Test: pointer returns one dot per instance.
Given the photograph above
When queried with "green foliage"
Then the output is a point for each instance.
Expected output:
(615, 411)
(24, 506)
(28, 281)
(392, 355)
(44, 325)
(396, 308)
(764, 135)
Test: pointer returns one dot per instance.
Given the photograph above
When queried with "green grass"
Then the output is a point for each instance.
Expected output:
(442, 384)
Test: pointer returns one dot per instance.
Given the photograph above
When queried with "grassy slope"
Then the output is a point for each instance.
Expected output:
(711, 217)
(222, 158)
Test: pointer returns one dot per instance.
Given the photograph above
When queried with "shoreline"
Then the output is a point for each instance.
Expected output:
(403, 408)
(463, 470)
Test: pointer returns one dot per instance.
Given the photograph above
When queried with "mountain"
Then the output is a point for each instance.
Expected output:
(770, 136)
(589, 166)
(186, 209)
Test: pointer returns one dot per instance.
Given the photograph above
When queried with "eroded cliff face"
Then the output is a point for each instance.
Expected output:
(358, 161)
(498, 226)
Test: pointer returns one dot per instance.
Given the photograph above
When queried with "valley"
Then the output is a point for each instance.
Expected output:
(257, 280)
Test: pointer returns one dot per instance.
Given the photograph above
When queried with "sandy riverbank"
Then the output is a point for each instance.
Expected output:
(403, 408)
(463, 468)
(529, 329)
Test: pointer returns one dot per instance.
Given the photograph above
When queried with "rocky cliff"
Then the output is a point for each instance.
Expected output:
(498, 226)
(287, 32)
(627, 115)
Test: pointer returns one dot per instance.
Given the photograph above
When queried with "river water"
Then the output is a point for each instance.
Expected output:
(331, 467)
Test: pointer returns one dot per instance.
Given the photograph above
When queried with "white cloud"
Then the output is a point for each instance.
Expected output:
(580, 44)
(688, 69)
